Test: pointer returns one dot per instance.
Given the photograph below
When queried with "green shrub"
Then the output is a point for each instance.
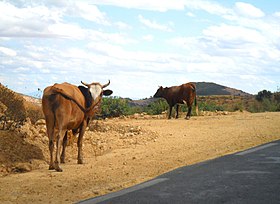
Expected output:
(211, 106)
(114, 107)
(156, 107)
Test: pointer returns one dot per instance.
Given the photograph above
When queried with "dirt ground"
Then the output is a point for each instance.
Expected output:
(123, 152)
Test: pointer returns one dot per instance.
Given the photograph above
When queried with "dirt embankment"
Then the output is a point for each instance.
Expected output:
(122, 152)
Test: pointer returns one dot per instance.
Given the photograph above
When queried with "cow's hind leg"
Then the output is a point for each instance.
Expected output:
(62, 157)
(177, 111)
(80, 142)
(51, 134)
(188, 116)
(58, 150)
(51, 148)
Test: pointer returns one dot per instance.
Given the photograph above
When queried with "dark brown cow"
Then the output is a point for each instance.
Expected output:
(175, 95)
(68, 107)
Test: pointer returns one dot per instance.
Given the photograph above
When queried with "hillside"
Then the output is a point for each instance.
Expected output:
(203, 89)
(210, 88)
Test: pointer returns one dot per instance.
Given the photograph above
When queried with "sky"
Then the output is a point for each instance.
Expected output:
(140, 44)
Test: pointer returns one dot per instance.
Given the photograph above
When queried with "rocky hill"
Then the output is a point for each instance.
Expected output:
(203, 89)
(210, 88)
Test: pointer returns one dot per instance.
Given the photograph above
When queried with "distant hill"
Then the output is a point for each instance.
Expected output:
(209, 88)
(203, 89)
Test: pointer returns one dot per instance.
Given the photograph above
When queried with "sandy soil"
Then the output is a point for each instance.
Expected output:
(133, 151)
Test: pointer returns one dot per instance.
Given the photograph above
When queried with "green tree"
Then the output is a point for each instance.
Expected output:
(264, 94)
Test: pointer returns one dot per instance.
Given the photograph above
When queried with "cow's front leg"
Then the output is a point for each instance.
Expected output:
(80, 142)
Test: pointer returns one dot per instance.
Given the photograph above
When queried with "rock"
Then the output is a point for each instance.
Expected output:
(45, 139)
(40, 122)
(22, 167)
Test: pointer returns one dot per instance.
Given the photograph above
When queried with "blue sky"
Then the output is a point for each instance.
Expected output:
(140, 44)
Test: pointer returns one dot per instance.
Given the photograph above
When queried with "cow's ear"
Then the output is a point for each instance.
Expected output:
(107, 92)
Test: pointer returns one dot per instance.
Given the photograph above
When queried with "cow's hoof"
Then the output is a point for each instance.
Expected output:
(62, 160)
(58, 169)
(51, 167)
(80, 161)
(188, 117)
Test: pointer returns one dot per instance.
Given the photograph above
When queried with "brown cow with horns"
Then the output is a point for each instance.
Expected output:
(175, 95)
(68, 107)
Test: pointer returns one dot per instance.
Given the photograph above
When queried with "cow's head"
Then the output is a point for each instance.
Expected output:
(97, 90)
(159, 92)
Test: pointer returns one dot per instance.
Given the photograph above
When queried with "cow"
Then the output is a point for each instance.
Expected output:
(175, 95)
(68, 107)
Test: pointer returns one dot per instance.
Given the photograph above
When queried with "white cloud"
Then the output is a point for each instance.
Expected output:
(190, 14)
(277, 14)
(248, 10)
(234, 34)
(47, 22)
(122, 25)
(208, 6)
(8, 51)
(114, 38)
(148, 38)
(161, 6)
(154, 24)
(90, 12)
(67, 31)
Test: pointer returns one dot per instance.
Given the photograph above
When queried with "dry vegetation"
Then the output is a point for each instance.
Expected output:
(119, 152)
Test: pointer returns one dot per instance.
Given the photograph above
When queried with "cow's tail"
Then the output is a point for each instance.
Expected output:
(196, 105)
(195, 99)
(49, 107)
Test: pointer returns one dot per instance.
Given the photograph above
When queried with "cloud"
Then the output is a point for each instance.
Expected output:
(122, 25)
(248, 10)
(7, 51)
(208, 6)
(148, 38)
(277, 14)
(190, 14)
(161, 6)
(47, 22)
(154, 24)
(89, 12)
(234, 34)
(64, 30)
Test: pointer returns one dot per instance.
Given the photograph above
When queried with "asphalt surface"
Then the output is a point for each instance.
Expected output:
(251, 176)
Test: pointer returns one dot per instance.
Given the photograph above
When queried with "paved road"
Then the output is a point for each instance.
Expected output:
(251, 176)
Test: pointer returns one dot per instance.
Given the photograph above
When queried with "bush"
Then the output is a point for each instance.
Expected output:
(114, 107)
(203, 106)
(264, 95)
(14, 103)
(156, 107)
(34, 112)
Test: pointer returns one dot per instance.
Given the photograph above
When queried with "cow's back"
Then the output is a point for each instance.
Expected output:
(184, 93)
(188, 92)
(59, 109)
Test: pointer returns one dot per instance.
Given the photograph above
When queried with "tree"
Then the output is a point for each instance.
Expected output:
(264, 94)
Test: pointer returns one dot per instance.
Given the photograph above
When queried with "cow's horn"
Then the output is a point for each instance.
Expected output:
(105, 85)
(85, 84)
